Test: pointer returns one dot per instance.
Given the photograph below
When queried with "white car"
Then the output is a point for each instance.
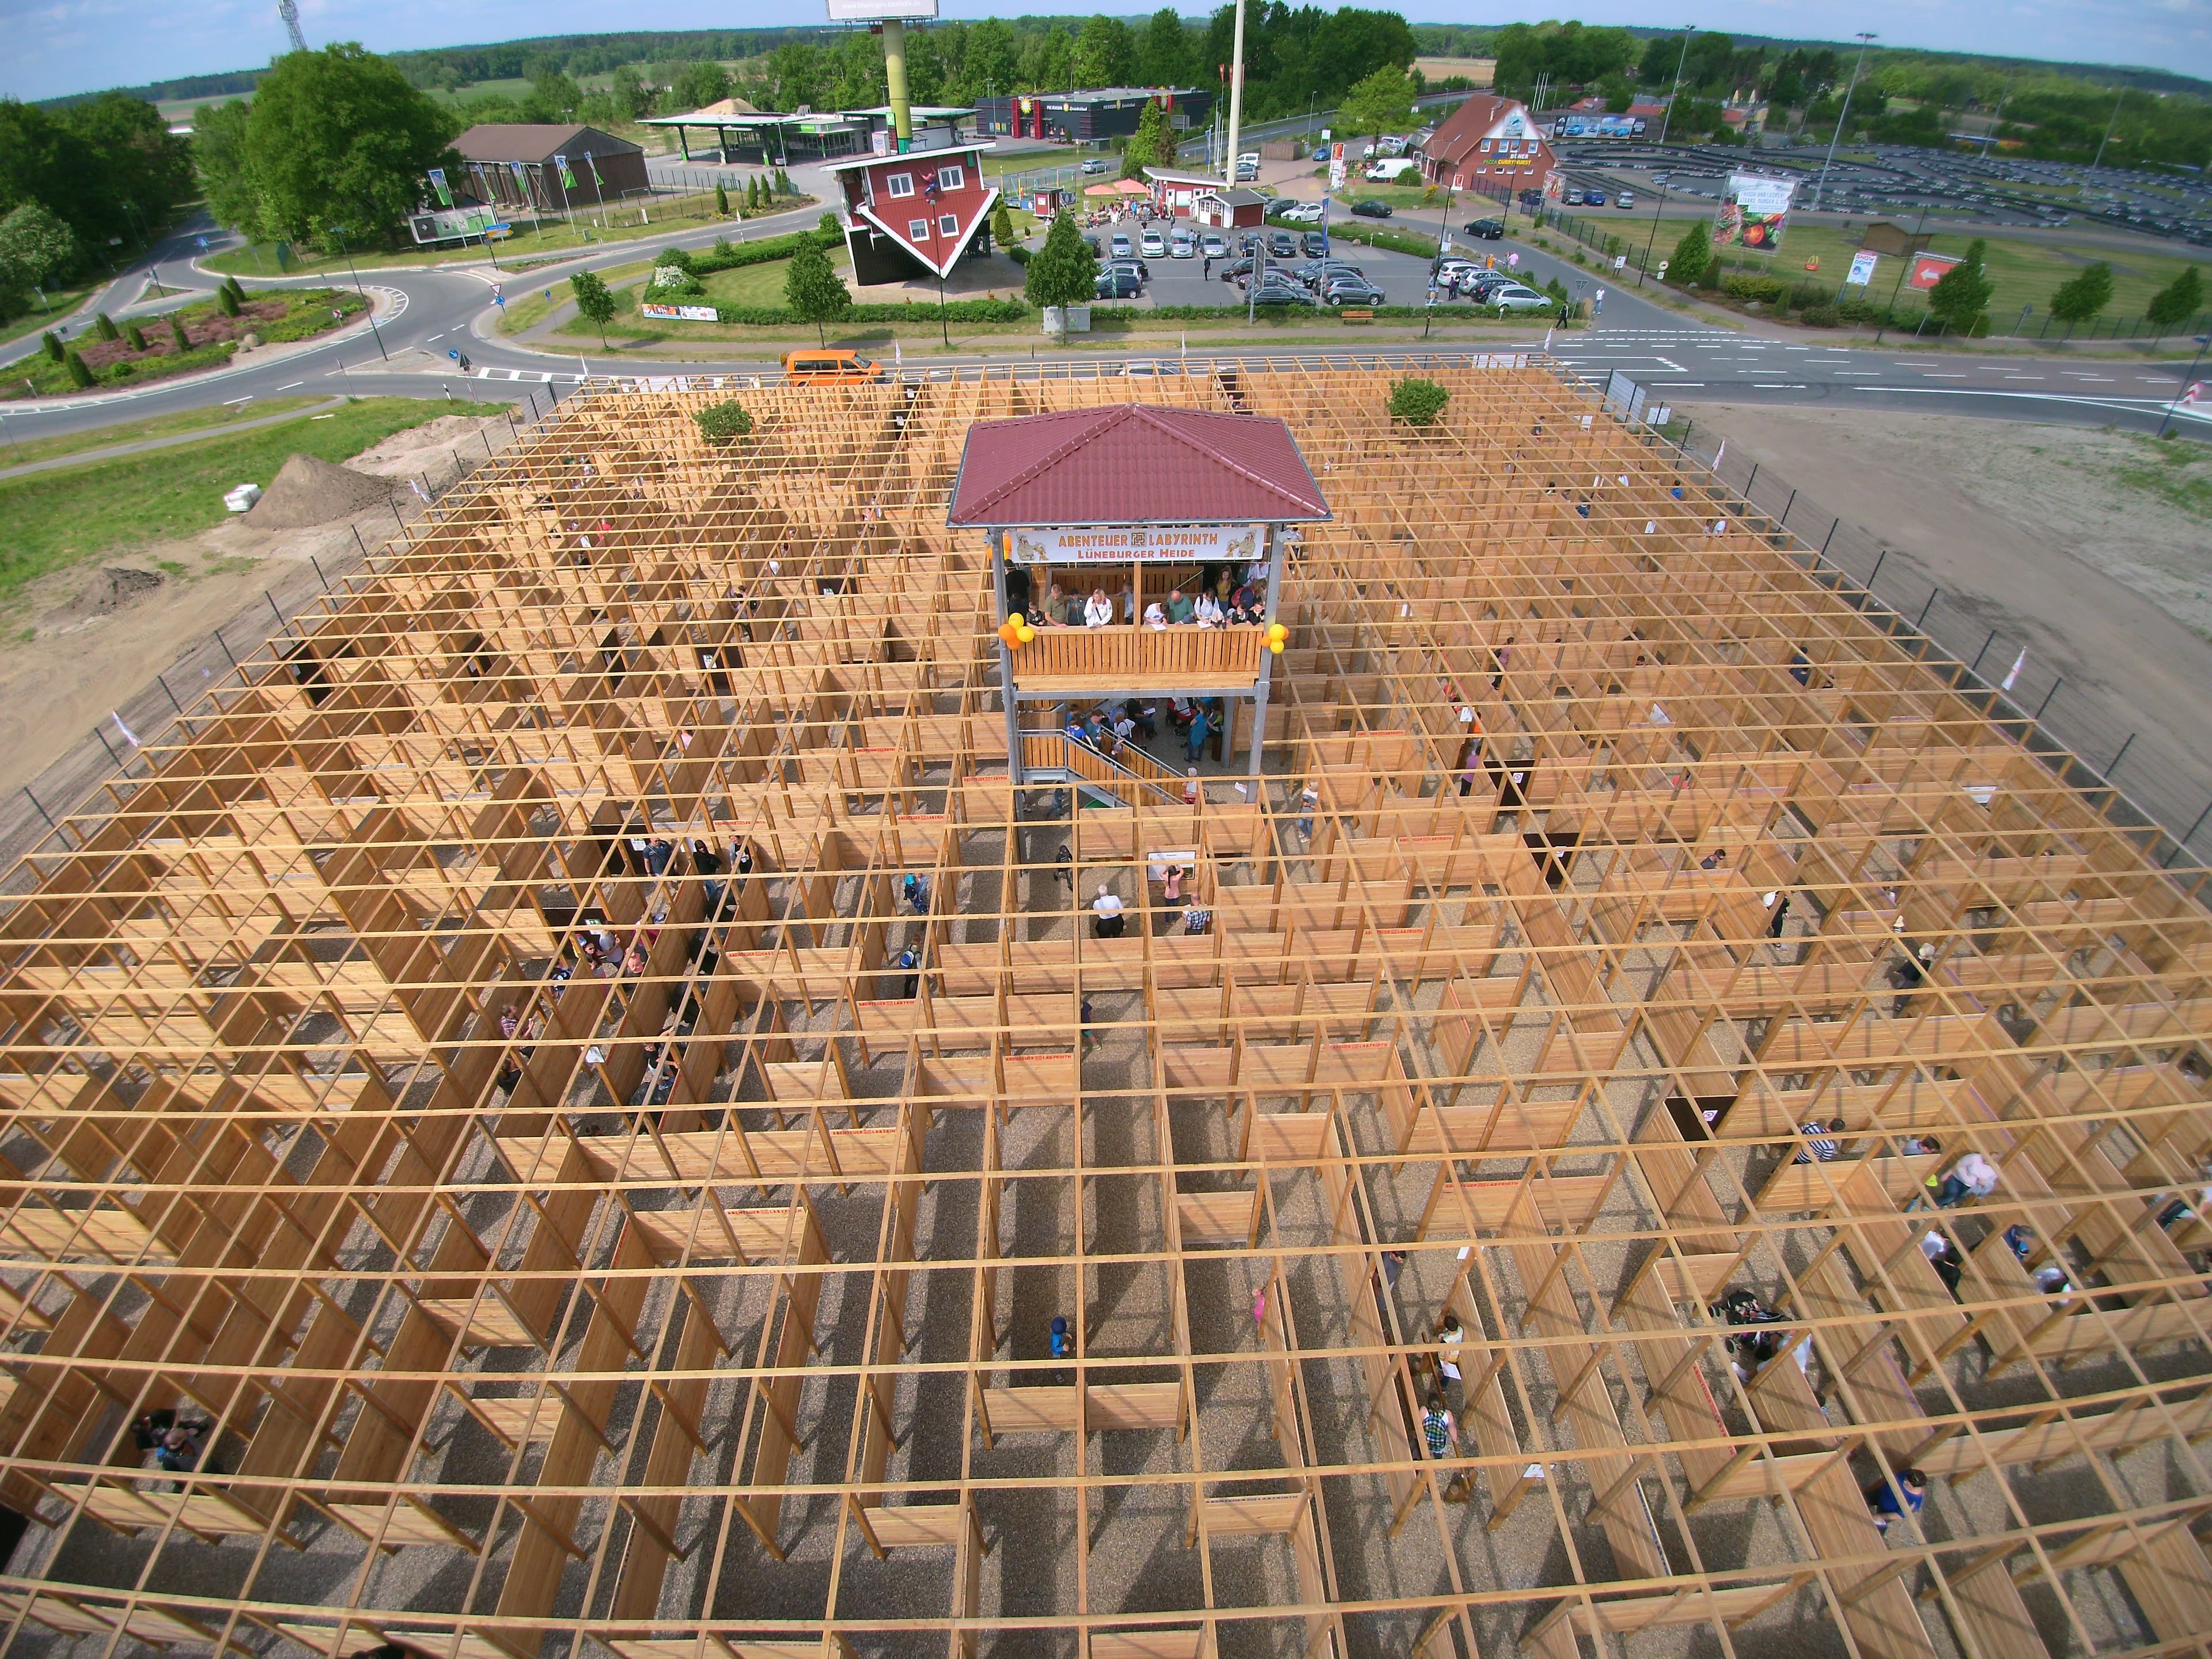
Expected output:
(1251, 158)
(1183, 245)
(1213, 247)
(1301, 213)
(1152, 244)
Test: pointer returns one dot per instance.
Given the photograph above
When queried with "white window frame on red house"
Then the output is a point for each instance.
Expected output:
(917, 230)
(948, 224)
(953, 178)
(898, 184)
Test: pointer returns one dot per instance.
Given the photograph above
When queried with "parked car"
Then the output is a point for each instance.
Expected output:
(1249, 158)
(1282, 245)
(1517, 296)
(1659, 180)
(1489, 230)
(1093, 242)
(1280, 291)
(1146, 371)
(1351, 291)
(1094, 165)
(1593, 198)
(1315, 244)
(1183, 245)
(1319, 272)
(1119, 247)
(1136, 268)
(1532, 200)
(1482, 284)
(1236, 270)
(1247, 171)
(1371, 209)
(1212, 246)
(1248, 242)
(1118, 283)
(1627, 199)
(1152, 244)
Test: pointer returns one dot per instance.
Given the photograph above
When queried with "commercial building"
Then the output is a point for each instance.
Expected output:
(1491, 145)
(768, 139)
(579, 1106)
(1090, 117)
(1203, 198)
(525, 166)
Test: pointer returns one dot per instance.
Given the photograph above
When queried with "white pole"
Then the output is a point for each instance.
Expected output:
(1235, 99)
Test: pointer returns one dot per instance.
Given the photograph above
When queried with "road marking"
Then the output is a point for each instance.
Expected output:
(1858, 373)
(1935, 374)
(287, 388)
(433, 337)
(1678, 382)
(2023, 377)
(1670, 363)
(248, 399)
(1778, 386)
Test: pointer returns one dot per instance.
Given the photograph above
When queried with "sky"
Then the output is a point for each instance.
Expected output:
(58, 47)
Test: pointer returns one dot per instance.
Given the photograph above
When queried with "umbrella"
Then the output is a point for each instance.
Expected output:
(1130, 187)
(1100, 190)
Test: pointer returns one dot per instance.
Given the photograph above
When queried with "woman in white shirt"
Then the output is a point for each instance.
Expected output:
(1155, 616)
(1106, 914)
(1097, 610)
(1208, 613)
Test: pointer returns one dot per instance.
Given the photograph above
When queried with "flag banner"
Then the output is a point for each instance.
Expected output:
(2013, 673)
(438, 184)
(560, 167)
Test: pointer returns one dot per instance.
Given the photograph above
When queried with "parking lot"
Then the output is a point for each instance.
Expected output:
(1403, 277)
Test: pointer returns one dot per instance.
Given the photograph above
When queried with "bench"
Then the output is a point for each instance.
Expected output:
(1357, 314)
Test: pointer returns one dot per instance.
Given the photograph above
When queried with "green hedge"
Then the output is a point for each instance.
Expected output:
(731, 255)
(958, 311)
(1397, 241)
(1750, 287)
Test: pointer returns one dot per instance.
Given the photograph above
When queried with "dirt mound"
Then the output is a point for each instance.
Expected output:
(307, 491)
(112, 588)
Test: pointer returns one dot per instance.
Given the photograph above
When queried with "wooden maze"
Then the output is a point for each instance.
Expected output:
(700, 1308)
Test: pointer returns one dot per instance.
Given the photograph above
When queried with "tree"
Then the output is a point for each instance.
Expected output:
(136, 336)
(1617, 91)
(1693, 254)
(700, 84)
(1105, 53)
(337, 138)
(52, 343)
(753, 194)
(553, 97)
(720, 422)
(1962, 293)
(987, 67)
(1002, 225)
(35, 247)
(1416, 402)
(79, 372)
(721, 201)
(2178, 301)
(814, 290)
(108, 167)
(219, 152)
(1064, 271)
(595, 303)
(2084, 295)
(1163, 52)
(1383, 102)
(177, 334)
(1150, 144)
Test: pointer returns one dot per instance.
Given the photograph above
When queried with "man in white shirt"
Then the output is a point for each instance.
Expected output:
(1106, 919)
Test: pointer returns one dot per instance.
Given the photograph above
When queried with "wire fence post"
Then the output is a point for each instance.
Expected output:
(1830, 536)
(164, 683)
(2179, 846)
(2122, 755)
(1984, 652)
(1876, 571)
(2037, 716)
(51, 824)
(1920, 622)
(225, 644)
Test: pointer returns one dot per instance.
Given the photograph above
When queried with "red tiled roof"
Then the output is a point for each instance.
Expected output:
(1133, 464)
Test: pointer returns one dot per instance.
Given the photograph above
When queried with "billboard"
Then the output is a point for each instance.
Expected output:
(1927, 270)
(450, 224)
(1753, 212)
(1862, 264)
(1172, 542)
(882, 11)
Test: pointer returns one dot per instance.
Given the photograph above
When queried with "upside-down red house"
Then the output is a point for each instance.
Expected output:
(917, 213)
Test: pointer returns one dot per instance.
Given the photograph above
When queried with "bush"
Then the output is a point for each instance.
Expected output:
(1821, 315)
(679, 257)
(136, 336)
(104, 325)
(722, 203)
(1018, 254)
(79, 372)
(1753, 288)
(1710, 278)
(1418, 403)
(959, 311)
(1804, 296)
(720, 423)
(52, 343)
(225, 302)
(181, 340)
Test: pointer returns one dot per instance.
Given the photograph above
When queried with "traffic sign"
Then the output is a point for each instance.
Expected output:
(500, 299)
(455, 355)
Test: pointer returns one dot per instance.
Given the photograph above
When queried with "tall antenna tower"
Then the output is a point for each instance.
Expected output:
(289, 11)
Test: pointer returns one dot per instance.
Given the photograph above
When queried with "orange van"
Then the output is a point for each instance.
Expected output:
(829, 366)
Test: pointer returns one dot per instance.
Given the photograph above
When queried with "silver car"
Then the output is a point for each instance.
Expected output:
(1518, 296)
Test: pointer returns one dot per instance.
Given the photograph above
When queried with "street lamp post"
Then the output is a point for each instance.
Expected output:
(2202, 341)
(1667, 116)
(338, 231)
(2098, 165)
(1865, 37)
(1651, 241)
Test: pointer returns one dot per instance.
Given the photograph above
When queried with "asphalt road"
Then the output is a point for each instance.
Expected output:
(424, 315)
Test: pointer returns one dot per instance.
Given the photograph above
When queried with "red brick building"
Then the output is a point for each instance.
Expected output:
(915, 215)
(1489, 145)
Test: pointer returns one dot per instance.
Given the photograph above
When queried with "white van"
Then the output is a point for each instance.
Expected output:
(1389, 171)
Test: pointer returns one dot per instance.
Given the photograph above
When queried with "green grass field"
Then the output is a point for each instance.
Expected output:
(664, 217)
(210, 421)
(60, 518)
(747, 285)
(60, 303)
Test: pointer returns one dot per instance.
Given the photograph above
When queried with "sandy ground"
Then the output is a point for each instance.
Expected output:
(2032, 530)
(83, 657)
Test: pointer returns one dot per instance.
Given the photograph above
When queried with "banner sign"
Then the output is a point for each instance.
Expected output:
(1141, 543)
(1862, 264)
(1336, 168)
(438, 184)
(680, 314)
(1927, 270)
(1753, 211)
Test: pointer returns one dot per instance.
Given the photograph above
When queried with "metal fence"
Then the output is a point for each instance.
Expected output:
(2091, 741)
